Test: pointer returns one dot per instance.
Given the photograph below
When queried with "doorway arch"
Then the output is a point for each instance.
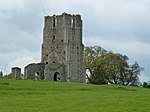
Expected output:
(56, 76)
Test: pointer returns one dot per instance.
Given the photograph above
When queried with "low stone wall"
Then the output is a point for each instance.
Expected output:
(34, 71)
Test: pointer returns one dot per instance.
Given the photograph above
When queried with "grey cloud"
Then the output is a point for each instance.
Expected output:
(13, 39)
(118, 17)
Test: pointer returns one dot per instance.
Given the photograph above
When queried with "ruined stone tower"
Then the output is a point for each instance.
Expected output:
(62, 49)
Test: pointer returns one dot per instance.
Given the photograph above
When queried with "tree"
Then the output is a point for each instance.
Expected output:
(92, 60)
(108, 67)
(133, 73)
(113, 64)
(146, 85)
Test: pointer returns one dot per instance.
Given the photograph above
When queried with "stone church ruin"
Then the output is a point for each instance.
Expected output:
(62, 51)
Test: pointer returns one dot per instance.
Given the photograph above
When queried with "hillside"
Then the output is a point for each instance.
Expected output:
(45, 96)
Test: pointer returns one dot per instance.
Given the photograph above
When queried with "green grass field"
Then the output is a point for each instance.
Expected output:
(46, 96)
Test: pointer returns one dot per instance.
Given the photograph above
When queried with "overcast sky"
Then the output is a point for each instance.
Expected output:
(121, 26)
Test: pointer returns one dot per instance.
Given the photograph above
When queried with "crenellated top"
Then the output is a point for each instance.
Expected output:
(64, 20)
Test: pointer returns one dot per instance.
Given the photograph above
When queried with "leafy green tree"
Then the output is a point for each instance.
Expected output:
(133, 73)
(113, 64)
(107, 67)
(92, 61)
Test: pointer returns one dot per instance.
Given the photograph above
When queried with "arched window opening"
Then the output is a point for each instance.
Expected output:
(54, 24)
(54, 37)
(73, 23)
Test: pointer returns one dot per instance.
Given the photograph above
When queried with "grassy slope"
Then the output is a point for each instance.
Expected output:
(45, 96)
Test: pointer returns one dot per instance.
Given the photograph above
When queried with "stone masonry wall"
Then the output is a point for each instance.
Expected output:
(34, 69)
(63, 35)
